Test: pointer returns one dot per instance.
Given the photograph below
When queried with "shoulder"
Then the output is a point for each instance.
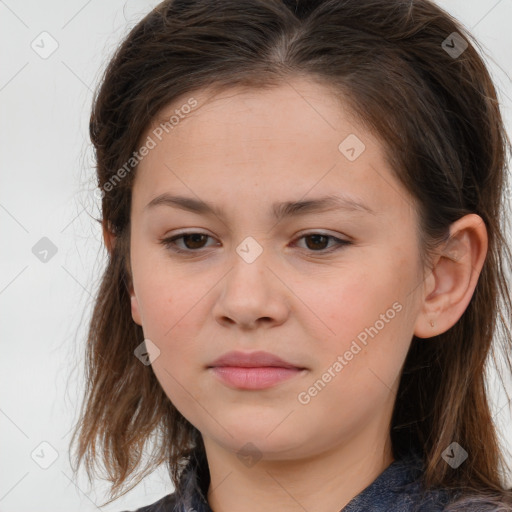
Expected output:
(451, 500)
(480, 503)
(446, 500)
(165, 504)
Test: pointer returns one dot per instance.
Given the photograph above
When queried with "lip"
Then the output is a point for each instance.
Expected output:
(256, 359)
(253, 370)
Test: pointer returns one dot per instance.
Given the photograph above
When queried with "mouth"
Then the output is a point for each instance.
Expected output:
(244, 377)
(253, 370)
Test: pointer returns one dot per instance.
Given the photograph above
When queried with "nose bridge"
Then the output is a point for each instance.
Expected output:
(250, 249)
(250, 263)
(250, 288)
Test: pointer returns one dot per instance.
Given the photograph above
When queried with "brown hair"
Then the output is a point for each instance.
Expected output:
(439, 119)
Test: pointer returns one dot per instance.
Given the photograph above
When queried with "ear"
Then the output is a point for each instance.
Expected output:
(137, 318)
(449, 287)
(110, 239)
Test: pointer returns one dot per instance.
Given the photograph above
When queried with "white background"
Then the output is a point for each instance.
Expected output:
(46, 191)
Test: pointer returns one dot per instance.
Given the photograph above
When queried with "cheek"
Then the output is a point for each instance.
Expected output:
(365, 330)
(172, 307)
(167, 309)
(344, 303)
(162, 296)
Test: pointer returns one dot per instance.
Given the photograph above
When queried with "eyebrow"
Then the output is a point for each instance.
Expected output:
(279, 210)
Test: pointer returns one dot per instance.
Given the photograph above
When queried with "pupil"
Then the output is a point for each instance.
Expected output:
(316, 237)
(194, 236)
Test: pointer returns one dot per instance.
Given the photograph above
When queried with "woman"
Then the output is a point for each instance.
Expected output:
(269, 368)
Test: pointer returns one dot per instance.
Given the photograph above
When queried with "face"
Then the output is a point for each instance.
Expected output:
(333, 289)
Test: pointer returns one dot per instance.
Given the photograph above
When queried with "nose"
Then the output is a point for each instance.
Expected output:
(252, 294)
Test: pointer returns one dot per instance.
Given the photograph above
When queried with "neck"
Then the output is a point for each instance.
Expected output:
(325, 481)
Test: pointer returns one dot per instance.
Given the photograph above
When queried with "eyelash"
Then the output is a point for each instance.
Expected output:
(169, 243)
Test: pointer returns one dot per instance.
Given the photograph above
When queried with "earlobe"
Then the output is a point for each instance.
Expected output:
(135, 308)
(110, 240)
(453, 279)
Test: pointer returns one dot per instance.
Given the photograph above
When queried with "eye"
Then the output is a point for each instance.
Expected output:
(194, 241)
(319, 240)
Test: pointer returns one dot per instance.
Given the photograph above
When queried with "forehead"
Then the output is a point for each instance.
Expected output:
(309, 100)
(290, 138)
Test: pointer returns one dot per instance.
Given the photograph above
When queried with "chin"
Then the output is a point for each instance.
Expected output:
(262, 441)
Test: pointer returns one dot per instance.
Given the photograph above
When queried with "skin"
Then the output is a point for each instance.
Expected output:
(243, 150)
